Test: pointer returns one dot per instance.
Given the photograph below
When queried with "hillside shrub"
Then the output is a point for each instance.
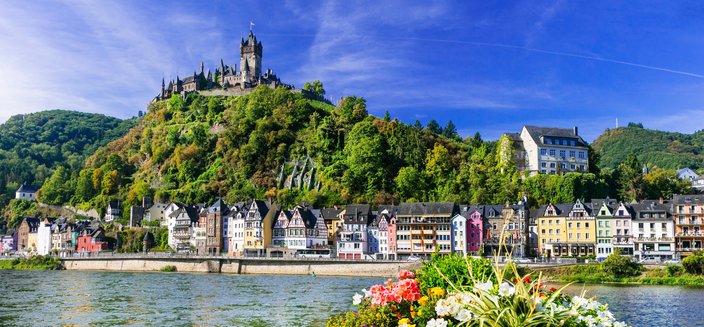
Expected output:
(168, 268)
(694, 264)
(621, 266)
(674, 270)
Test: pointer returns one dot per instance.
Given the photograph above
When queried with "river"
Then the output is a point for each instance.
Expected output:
(50, 298)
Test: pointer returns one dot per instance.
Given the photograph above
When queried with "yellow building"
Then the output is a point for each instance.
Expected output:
(581, 231)
(258, 226)
(552, 229)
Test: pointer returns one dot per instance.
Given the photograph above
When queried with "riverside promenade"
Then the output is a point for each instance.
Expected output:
(240, 265)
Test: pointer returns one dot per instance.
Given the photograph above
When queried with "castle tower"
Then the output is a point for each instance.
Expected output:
(251, 56)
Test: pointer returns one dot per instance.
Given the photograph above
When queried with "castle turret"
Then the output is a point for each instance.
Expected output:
(202, 67)
(251, 55)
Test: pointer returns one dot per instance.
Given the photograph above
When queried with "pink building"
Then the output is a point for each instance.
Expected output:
(475, 230)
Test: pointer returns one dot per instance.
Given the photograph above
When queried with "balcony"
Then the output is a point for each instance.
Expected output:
(690, 234)
(654, 239)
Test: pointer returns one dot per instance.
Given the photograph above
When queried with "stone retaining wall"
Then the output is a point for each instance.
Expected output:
(244, 266)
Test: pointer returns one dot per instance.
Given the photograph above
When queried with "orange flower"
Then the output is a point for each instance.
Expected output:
(423, 300)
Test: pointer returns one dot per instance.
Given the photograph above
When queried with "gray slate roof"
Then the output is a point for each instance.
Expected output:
(536, 132)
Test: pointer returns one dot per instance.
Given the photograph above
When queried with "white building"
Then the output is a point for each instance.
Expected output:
(549, 150)
(687, 174)
(44, 238)
(653, 231)
(236, 230)
(113, 211)
(26, 192)
(459, 235)
(156, 213)
(352, 240)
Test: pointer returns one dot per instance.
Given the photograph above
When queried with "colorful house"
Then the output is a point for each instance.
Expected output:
(424, 228)
(27, 234)
(92, 240)
(459, 237)
(352, 240)
(653, 231)
(622, 229)
(259, 223)
(688, 212)
(604, 210)
(552, 227)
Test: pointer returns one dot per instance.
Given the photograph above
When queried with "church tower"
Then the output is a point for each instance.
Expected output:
(251, 57)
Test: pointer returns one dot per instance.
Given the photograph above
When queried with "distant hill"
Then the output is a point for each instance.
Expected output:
(32, 145)
(662, 149)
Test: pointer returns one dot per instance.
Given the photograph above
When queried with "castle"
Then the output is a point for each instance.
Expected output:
(226, 80)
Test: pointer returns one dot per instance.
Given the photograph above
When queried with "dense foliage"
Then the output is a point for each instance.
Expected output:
(197, 148)
(665, 150)
(33, 145)
(460, 270)
(694, 264)
(619, 265)
(36, 262)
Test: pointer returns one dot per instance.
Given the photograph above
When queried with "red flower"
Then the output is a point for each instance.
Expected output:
(526, 279)
(552, 289)
(405, 274)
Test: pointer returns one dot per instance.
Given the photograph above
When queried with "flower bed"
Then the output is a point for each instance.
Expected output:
(496, 297)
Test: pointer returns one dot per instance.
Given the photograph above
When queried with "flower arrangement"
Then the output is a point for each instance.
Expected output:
(522, 301)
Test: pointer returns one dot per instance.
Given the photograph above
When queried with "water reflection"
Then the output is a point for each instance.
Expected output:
(41, 298)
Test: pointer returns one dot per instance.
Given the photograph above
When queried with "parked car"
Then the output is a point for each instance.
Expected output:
(673, 261)
(414, 258)
(522, 260)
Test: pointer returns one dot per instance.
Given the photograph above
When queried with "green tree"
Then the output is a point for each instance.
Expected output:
(631, 179)
(434, 127)
(410, 184)
(315, 87)
(450, 131)
(364, 149)
(57, 189)
(621, 266)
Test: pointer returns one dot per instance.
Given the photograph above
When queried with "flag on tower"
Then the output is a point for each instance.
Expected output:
(251, 25)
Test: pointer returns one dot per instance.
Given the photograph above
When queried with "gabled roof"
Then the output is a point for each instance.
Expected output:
(427, 208)
(330, 213)
(262, 207)
(688, 199)
(32, 222)
(26, 188)
(218, 206)
(536, 133)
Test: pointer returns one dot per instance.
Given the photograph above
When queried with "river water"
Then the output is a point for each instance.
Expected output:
(50, 298)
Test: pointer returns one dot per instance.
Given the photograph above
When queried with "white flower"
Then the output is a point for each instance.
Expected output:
(357, 299)
(366, 293)
(442, 307)
(620, 324)
(464, 298)
(463, 315)
(506, 289)
(486, 287)
(436, 323)
(578, 301)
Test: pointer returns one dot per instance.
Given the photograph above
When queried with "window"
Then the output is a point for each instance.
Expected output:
(552, 152)
(543, 171)
(586, 225)
(572, 153)
(543, 164)
(586, 235)
(562, 153)
(579, 225)
(569, 236)
(543, 152)
(552, 165)
(569, 225)
(581, 155)
(572, 166)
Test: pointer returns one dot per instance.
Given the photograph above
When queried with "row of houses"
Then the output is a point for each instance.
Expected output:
(650, 229)
(57, 236)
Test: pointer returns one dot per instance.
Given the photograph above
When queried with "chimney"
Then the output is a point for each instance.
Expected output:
(576, 131)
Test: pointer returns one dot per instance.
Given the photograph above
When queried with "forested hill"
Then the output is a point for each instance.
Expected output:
(196, 149)
(32, 145)
(656, 148)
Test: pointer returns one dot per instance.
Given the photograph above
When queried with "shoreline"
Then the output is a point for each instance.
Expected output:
(243, 266)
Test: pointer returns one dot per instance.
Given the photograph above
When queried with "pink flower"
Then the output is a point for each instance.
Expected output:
(405, 274)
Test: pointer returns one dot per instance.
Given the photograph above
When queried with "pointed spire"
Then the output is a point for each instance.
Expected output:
(202, 67)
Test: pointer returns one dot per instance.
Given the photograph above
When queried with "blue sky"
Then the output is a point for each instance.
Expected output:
(488, 66)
